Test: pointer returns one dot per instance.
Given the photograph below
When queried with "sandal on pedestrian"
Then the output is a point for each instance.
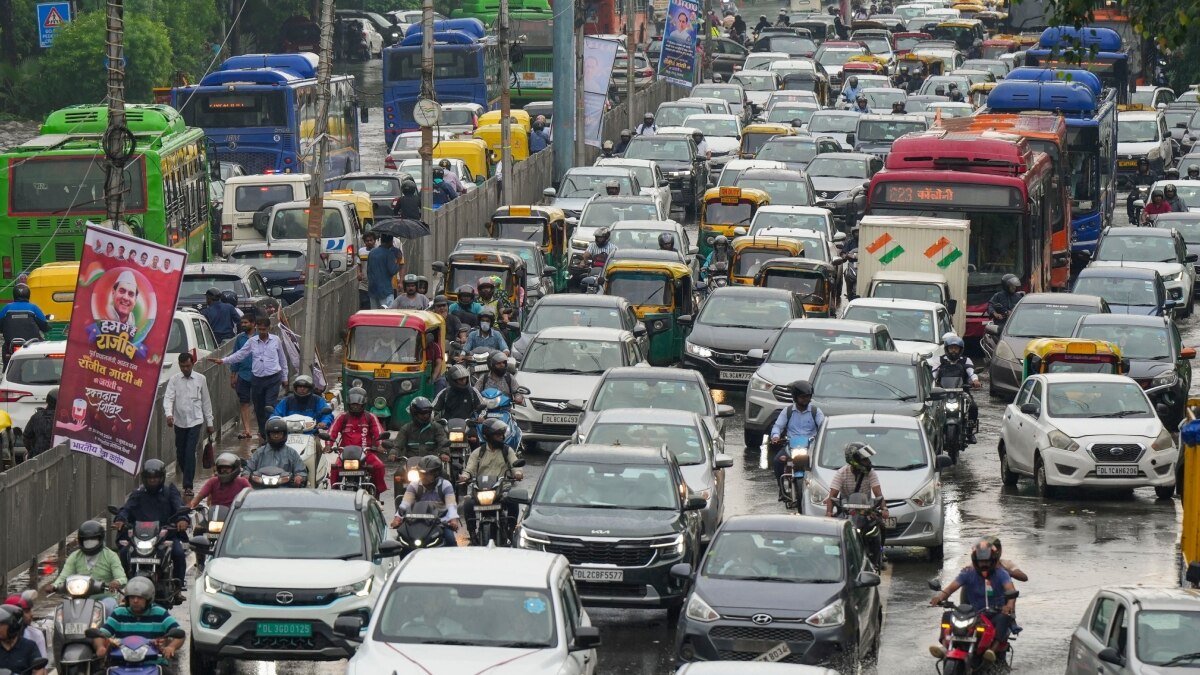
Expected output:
(243, 436)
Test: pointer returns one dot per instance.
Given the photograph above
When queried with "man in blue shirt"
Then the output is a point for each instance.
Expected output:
(800, 420)
(241, 375)
(537, 138)
(484, 336)
(443, 192)
(269, 369)
(303, 401)
(382, 266)
(17, 653)
(987, 585)
(222, 317)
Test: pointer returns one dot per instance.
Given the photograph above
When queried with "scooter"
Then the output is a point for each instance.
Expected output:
(150, 555)
(421, 528)
(500, 407)
(716, 276)
(136, 655)
(791, 483)
(864, 514)
(966, 634)
(80, 611)
(310, 448)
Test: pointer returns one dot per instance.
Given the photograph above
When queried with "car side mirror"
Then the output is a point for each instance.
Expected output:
(695, 504)
(639, 329)
(1187, 353)
(549, 193)
(757, 354)
(992, 329)
(335, 265)
(664, 183)
(850, 138)
(693, 250)
(943, 462)
(952, 305)
(586, 637)
(390, 548)
(722, 461)
(275, 291)
(549, 271)
(348, 626)
(572, 221)
(1191, 257)
(1192, 576)
(1162, 410)
(867, 580)
(739, 231)
(1110, 655)
(517, 495)
(438, 266)
(681, 570)
(725, 410)
(1031, 409)
(684, 320)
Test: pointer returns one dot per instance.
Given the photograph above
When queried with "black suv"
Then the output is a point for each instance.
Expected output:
(619, 516)
(684, 168)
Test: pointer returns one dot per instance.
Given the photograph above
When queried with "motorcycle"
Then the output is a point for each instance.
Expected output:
(136, 655)
(478, 362)
(492, 523)
(353, 471)
(958, 425)
(791, 483)
(80, 611)
(208, 523)
(410, 474)
(1138, 196)
(420, 528)
(864, 514)
(716, 276)
(499, 406)
(149, 549)
(310, 448)
(966, 634)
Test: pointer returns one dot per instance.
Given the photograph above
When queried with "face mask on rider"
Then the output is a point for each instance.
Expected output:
(485, 325)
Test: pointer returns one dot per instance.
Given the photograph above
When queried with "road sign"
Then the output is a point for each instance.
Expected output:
(50, 17)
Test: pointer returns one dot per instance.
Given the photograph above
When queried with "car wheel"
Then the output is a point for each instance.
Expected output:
(1007, 475)
(1164, 491)
(199, 662)
(673, 613)
(1044, 489)
(936, 554)
(753, 439)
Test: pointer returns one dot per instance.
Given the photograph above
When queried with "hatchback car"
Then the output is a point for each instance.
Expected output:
(736, 167)
(1159, 249)
(581, 183)
(1037, 315)
(284, 267)
(651, 389)
(782, 588)
(794, 217)
(733, 321)
(840, 180)
(480, 608)
(837, 124)
(650, 178)
(1186, 224)
(1086, 430)
(1136, 630)
(579, 309)
(722, 133)
(673, 113)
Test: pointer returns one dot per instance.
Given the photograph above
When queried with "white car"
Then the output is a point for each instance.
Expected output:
(817, 245)
(763, 60)
(1156, 248)
(650, 178)
(408, 146)
(795, 217)
(1142, 133)
(723, 133)
(916, 326)
(460, 611)
(1086, 430)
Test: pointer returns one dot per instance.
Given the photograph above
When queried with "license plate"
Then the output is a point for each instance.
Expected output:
(560, 419)
(1117, 470)
(598, 575)
(736, 375)
(382, 373)
(490, 507)
(283, 629)
(144, 561)
(776, 653)
(1127, 162)
(75, 628)
(889, 523)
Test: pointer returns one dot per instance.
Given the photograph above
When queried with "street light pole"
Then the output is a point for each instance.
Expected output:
(629, 52)
(505, 108)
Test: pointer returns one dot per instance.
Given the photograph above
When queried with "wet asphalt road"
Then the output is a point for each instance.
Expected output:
(1069, 547)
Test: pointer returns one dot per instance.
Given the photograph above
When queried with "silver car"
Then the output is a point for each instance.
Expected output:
(1134, 630)
(908, 472)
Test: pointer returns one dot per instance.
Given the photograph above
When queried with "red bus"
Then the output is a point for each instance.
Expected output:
(995, 181)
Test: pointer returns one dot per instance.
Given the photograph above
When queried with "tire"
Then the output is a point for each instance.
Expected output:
(798, 490)
(487, 533)
(936, 554)
(788, 490)
(199, 662)
(1165, 492)
(753, 439)
(1007, 475)
(954, 668)
(673, 613)
(1044, 489)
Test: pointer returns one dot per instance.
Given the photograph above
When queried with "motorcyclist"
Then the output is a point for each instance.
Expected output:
(221, 317)
(1157, 205)
(623, 142)
(302, 401)
(459, 400)
(647, 127)
(701, 145)
(762, 23)
(492, 458)
(612, 188)
(443, 191)
(493, 299)
(408, 204)
(499, 377)
(1002, 302)
(598, 252)
(93, 559)
(954, 363)
(898, 108)
(955, 94)
(276, 453)
(421, 436)
(606, 149)
(431, 488)
(860, 105)
(465, 309)
(155, 501)
(410, 298)
(140, 617)
(856, 477)
(720, 253)
(221, 490)
(1193, 172)
(485, 336)
(851, 91)
(1171, 196)
(782, 20)
(1142, 177)
(666, 242)
(982, 580)
(17, 652)
(850, 243)
(356, 426)
(38, 435)
(21, 319)
(799, 420)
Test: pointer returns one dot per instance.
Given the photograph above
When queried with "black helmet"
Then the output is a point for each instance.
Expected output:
(91, 537)
(495, 430)
(1142, 161)
(154, 468)
(666, 241)
(497, 359)
(445, 163)
(800, 388)
(21, 293)
(1171, 173)
(408, 187)
(229, 297)
(13, 617)
(52, 398)
(213, 293)
(273, 426)
(602, 235)
(430, 465)
(983, 558)
(420, 406)
(612, 187)
(356, 395)
(1010, 283)
(852, 81)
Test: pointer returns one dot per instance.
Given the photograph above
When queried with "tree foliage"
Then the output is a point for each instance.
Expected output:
(194, 26)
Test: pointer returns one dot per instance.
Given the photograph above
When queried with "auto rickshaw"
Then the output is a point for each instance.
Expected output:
(815, 82)
(862, 67)
(52, 288)
(814, 283)
(992, 20)
(994, 48)
(748, 254)
(1023, 41)
(546, 225)
(964, 32)
(395, 354)
(490, 133)
(519, 117)
(912, 69)
(978, 95)
(877, 64)
(726, 209)
(662, 298)
(361, 201)
(467, 267)
(968, 10)
(1072, 355)
(474, 152)
(754, 135)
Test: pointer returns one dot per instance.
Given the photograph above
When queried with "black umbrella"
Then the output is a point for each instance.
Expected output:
(401, 228)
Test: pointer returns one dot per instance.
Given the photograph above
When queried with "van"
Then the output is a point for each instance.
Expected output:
(247, 195)
(341, 230)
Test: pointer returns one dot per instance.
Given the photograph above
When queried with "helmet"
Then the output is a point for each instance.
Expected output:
(800, 388)
(408, 187)
(1157, 193)
(955, 341)
(154, 468)
(1170, 190)
(356, 395)
(497, 359)
(1172, 173)
(607, 145)
(213, 293)
(230, 460)
(698, 135)
(602, 236)
(485, 281)
(852, 81)
(983, 557)
(438, 172)
(13, 617)
(430, 464)
(782, 12)
(91, 537)
(458, 372)
(420, 405)
(488, 314)
(273, 426)
(626, 134)
(666, 240)
(445, 164)
(649, 117)
(1142, 161)
(140, 587)
(1194, 171)
(465, 289)
(410, 279)
(1010, 283)
(494, 429)
(861, 99)
(720, 241)
(440, 301)
(858, 456)
(898, 106)
(229, 297)
(612, 187)
(302, 381)
(52, 397)
(21, 293)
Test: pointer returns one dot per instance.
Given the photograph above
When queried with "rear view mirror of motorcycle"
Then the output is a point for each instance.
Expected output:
(324, 435)
(387, 445)
(517, 496)
(524, 391)
(390, 548)
(935, 585)
(939, 394)
(113, 509)
(94, 633)
(385, 435)
(176, 634)
(519, 463)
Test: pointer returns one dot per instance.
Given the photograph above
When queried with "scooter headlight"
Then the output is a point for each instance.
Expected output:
(134, 655)
(78, 587)
(414, 475)
(216, 526)
(456, 437)
(144, 547)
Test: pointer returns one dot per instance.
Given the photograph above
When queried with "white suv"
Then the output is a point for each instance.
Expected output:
(497, 610)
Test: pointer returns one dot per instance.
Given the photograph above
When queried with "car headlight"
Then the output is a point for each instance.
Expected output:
(759, 384)
(213, 585)
(1166, 379)
(834, 614)
(527, 539)
(699, 610)
(1173, 277)
(362, 589)
(1163, 442)
(485, 497)
(817, 493)
(927, 495)
(673, 547)
(1062, 441)
(1004, 352)
(697, 350)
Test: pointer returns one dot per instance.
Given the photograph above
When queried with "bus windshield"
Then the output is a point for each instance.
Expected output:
(60, 185)
(405, 64)
(236, 109)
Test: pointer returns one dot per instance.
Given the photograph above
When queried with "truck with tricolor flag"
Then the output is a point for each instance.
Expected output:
(916, 258)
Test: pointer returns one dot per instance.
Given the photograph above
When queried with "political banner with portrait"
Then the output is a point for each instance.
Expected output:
(599, 55)
(120, 321)
(677, 60)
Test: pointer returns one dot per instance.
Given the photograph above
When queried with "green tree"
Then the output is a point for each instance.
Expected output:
(194, 26)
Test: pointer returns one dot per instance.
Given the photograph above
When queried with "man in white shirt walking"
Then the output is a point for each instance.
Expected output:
(188, 409)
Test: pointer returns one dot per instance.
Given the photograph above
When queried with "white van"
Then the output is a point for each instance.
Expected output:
(247, 195)
(341, 232)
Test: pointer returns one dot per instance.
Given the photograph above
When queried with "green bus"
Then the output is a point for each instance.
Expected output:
(533, 70)
(53, 185)
(487, 10)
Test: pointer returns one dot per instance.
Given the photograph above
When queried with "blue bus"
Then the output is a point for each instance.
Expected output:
(1109, 60)
(466, 69)
(260, 111)
(1091, 114)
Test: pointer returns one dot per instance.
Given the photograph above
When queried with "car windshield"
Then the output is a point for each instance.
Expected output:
(1166, 635)
(674, 115)
(194, 285)
(603, 214)
(784, 192)
(531, 256)
(837, 57)
(574, 357)
(384, 344)
(271, 261)
(247, 198)
(638, 239)
(906, 43)
(781, 557)
(895, 449)
(832, 167)
(789, 150)
(713, 126)
(1189, 192)
(803, 221)
(805, 345)
(907, 291)
(640, 288)
(457, 118)
(876, 45)
(376, 187)
(832, 124)
(716, 213)
(1044, 320)
(607, 486)
(461, 614)
(739, 311)
(1137, 248)
(1137, 131)
(548, 316)
(887, 131)
(729, 94)
(755, 82)
(1120, 290)
(293, 224)
(882, 99)
(583, 185)
(1097, 399)
(866, 380)
(903, 324)
(748, 261)
(786, 114)
(1189, 228)
(304, 532)
(659, 149)
(1135, 342)
(651, 393)
(683, 442)
(40, 369)
(809, 289)
(790, 44)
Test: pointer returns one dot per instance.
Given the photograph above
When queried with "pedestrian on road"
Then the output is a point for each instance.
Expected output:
(188, 409)
(370, 239)
(39, 433)
(270, 369)
(222, 317)
(381, 267)
(241, 376)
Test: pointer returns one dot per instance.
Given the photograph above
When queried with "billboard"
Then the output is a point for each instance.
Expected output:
(598, 58)
(677, 61)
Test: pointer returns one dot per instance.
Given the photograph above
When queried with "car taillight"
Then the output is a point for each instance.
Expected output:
(194, 357)
(647, 72)
(13, 395)
(226, 233)
(389, 163)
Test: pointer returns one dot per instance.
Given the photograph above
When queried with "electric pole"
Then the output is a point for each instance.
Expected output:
(505, 108)
(118, 142)
(564, 87)
(708, 26)
(629, 52)
(580, 18)
(427, 130)
(316, 200)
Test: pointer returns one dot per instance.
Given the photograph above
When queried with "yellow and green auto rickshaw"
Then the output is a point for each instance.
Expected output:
(52, 288)
(747, 255)
(661, 293)
(519, 117)
(468, 267)
(361, 201)
(1072, 355)
(395, 354)
(491, 134)
(754, 135)
(813, 282)
(726, 209)
(474, 152)
(545, 225)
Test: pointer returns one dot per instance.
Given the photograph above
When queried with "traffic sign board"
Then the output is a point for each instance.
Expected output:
(50, 17)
